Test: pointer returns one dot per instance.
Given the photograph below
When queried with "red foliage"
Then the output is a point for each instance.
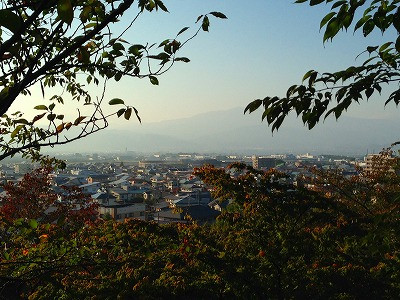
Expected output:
(34, 198)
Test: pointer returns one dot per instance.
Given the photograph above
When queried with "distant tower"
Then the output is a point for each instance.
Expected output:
(254, 160)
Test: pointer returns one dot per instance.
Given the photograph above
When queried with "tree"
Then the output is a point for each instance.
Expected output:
(71, 44)
(316, 96)
(34, 198)
(338, 240)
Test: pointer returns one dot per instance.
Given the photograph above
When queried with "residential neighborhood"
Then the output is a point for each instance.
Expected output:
(162, 188)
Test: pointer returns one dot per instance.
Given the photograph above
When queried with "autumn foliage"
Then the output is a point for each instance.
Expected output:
(276, 240)
(34, 198)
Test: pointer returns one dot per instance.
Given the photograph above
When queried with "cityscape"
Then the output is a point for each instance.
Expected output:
(199, 149)
(162, 187)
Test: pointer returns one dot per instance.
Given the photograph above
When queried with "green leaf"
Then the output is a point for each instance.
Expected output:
(368, 27)
(308, 74)
(16, 130)
(21, 121)
(116, 101)
(252, 106)
(315, 2)
(371, 49)
(51, 117)
(137, 115)
(9, 20)
(128, 113)
(120, 112)
(326, 19)
(160, 4)
(153, 80)
(205, 24)
(384, 46)
(33, 223)
(332, 29)
(41, 107)
(184, 59)
(65, 11)
(397, 46)
(182, 30)
(218, 15)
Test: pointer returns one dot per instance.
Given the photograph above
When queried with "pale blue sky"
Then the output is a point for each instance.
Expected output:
(264, 47)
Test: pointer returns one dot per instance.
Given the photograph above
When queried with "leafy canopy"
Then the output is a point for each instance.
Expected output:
(70, 45)
(322, 94)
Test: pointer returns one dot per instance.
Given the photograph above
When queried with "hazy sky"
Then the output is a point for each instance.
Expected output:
(264, 47)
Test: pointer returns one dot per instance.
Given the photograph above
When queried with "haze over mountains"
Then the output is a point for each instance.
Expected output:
(232, 132)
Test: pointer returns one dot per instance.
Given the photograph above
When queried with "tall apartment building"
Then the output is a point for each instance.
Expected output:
(379, 162)
(263, 162)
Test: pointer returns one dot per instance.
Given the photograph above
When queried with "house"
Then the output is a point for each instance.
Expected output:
(128, 194)
(198, 213)
(90, 188)
(120, 212)
(219, 205)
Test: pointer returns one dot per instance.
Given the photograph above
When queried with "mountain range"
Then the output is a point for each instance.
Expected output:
(231, 132)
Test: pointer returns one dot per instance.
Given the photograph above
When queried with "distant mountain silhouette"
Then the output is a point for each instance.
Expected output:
(232, 132)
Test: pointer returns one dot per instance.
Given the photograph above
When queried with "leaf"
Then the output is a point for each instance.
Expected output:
(60, 128)
(184, 59)
(38, 117)
(252, 106)
(41, 107)
(368, 27)
(332, 29)
(137, 115)
(315, 2)
(116, 101)
(120, 112)
(68, 125)
(51, 117)
(161, 5)
(218, 15)
(182, 30)
(153, 80)
(163, 43)
(21, 121)
(128, 113)
(326, 19)
(384, 46)
(33, 223)
(9, 20)
(308, 74)
(205, 24)
(371, 49)
(79, 120)
(16, 130)
(65, 11)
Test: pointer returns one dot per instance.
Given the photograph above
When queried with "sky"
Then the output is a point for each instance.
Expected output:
(263, 47)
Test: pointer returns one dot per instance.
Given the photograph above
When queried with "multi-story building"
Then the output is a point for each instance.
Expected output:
(263, 162)
(379, 162)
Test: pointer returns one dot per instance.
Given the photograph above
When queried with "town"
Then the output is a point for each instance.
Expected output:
(162, 187)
